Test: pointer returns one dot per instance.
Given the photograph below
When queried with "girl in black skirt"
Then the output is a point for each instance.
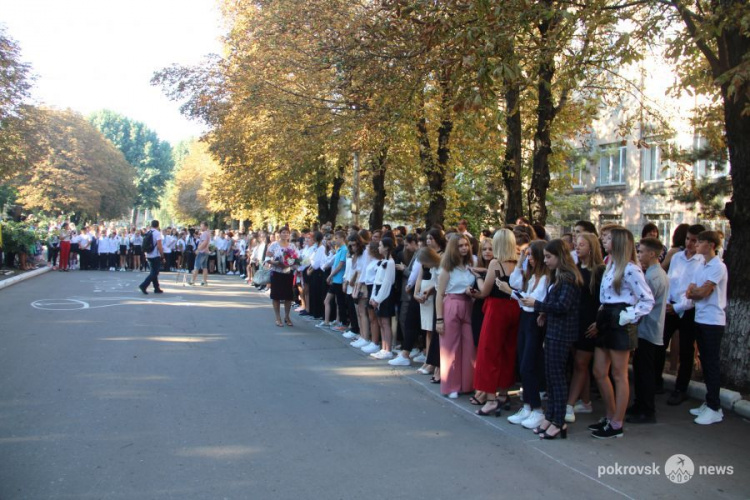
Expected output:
(382, 299)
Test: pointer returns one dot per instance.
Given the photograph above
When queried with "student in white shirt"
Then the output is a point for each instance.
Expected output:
(533, 283)
(625, 297)
(317, 278)
(708, 290)
(359, 289)
(155, 258)
(680, 316)
(123, 250)
(382, 299)
(368, 279)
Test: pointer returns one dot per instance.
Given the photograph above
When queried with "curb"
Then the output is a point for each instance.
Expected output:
(23, 277)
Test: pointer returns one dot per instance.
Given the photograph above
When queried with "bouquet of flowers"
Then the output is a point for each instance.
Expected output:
(289, 258)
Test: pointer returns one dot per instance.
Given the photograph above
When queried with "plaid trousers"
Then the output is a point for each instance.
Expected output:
(555, 358)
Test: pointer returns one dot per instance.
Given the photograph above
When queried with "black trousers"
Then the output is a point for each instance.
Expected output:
(686, 326)
(644, 378)
(153, 276)
(317, 293)
(85, 259)
(103, 261)
(338, 290)
(709, 348)
(353, 319)
(411, 323)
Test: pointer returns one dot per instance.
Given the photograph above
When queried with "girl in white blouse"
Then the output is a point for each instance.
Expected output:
(382, 299)
(453, 318)
(625, 297)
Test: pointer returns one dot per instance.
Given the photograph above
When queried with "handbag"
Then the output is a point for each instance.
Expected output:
(262, 277)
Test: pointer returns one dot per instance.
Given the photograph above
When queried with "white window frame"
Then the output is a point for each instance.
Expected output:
(616, 157)
(654, 168)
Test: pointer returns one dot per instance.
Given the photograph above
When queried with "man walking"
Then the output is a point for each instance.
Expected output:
(201, 254)
(155, 255)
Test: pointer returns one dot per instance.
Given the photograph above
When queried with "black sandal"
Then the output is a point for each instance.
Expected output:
(477, 402)
(433, 381)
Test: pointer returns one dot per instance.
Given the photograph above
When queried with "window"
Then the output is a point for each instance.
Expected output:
(664, 223)
(655, 167)
(607, 219)
(577, 167)
(708, 167)
(612, 165)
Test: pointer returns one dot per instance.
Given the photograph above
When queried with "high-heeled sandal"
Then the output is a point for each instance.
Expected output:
(433, 380)
(562, 432)
(288, 322)
(505, 402)
(496, 412)
(279, 324)
(476, 401)
(540, 430)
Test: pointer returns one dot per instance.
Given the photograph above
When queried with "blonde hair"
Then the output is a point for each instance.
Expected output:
(428, 257)
(452, 258)
(623, 251)
(594, 260)
(504, 245)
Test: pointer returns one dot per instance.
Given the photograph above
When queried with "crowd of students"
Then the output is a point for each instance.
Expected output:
(478, 314)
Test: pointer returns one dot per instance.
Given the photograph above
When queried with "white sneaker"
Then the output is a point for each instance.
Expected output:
(382, 354)
(420, 359)
(699, 410)
(520, 415)
(414, 352)
(533, 420)
(371, 348)
(322, 324)
(581, 407)
(359, 343)
(400, 361)
(349, 335)
(570, 414)
(453, 395)
(709, 416)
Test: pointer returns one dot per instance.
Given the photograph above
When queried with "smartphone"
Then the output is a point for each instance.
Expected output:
(517, 294)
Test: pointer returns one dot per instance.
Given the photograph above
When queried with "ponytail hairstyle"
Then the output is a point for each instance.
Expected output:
(389, 245)
(623, 251)
(566, 268)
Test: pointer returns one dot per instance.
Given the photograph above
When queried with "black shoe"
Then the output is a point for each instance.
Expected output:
(159, 291)
(659, 388)
(562, 433)
(142, 289)
(607, 432)
(496, 412)
(601, 424)
(641, 418)
(677, 398)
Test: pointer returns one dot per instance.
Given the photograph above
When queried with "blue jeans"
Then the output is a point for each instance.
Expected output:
(153, 276)
(709, 348)
(530, 358)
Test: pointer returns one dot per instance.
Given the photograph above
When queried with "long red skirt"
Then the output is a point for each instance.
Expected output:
(496, 353)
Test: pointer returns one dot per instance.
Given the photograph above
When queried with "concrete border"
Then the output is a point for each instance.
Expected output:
(22, 277)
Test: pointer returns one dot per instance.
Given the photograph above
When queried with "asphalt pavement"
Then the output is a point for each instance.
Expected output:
(195, 394)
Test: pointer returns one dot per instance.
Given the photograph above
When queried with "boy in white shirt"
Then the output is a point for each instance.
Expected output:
(709, 292)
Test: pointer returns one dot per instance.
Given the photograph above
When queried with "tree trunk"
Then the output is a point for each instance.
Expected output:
(545, 114)
(735, 349)
(435, 171)
(328, 207)
(378, 169)
(513, 160)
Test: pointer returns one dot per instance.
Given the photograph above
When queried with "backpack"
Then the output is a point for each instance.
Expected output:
(148, 242)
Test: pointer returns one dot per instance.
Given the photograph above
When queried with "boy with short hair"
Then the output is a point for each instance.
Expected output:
(650, 335)
(708, 290)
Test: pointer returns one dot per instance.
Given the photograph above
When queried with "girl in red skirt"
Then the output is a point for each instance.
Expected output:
(496, 354)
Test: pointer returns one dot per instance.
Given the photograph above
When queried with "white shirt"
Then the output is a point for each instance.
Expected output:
(103, 246)
(412, 281)
(681, 273)
(634, 291)
(319, 257)
(329, 260)
(385, 277)
(168, 243)
(458, 281)
(538, 292)
(157, 238)
(370, 272)
(710, 311)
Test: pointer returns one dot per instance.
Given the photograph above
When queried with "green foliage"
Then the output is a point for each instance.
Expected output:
(151, 157)
(20, 237)
(80, 171)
